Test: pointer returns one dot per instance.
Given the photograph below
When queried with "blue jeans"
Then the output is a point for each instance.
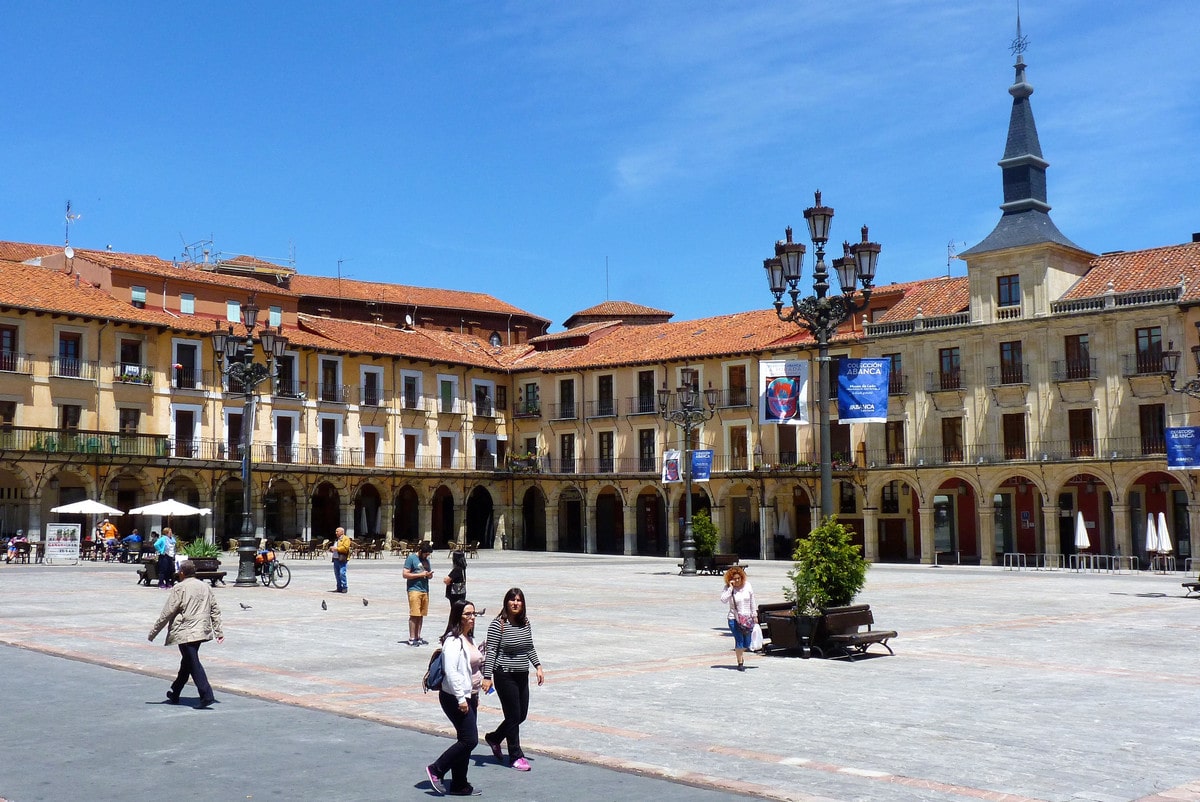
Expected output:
(339, 574)
(741, 640)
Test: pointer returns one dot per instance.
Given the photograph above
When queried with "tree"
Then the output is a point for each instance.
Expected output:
(705, 534)
(829, 569)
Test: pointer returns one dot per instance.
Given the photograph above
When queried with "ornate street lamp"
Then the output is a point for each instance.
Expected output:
(1170, 364)
(689, 411)
(235, 359)
(821, 314)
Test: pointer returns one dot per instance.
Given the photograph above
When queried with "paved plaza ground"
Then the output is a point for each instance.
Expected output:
(1006, 685)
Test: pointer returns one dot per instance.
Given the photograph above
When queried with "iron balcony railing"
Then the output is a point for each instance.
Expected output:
(1065, 370)
(944, 380)
(1143, 363)
(81, 441)
(897, 384)
(733, 397)
(641, 405)
(70, 368)
(132, 373)
(1000, 375)
(602, 408)
(527, 409)
(569, 411)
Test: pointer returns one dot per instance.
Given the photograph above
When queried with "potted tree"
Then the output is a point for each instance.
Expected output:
(205, 555)
(705, 536)
(829, 572)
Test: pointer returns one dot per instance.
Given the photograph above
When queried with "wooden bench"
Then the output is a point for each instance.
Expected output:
(843, 631)
(149, 573)
(1192, 587)
(764, 612)
(716, 564)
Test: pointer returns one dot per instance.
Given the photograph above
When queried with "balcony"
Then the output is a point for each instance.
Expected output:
(450, 406)
(1007, 375)
(131, 373)
(290, 388)
(12, 362)
(190, 378)
(81, 441)
(411, 402)
(1142, 364)
(641, 405)
(733, 397)
(370, 396)
(569, 411)
(604, 408)
(897, 384)
(68, 368)
(484, 408)
(943, 380)
(527, 409)
(1070, 370)
(333, 393)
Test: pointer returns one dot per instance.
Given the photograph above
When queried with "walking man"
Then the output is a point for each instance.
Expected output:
(341, 555)
(192, 617)
(417, 574)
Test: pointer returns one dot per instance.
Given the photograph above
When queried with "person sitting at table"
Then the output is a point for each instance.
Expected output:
(131, 546)
(13, 542)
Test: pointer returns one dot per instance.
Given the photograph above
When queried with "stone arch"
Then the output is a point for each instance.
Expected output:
(325, 510)
(609, 510)
(406, 515)
(533, 519)
(443, 528)
(367, 505)
(281, 511)
(480, 518)
(652, 521)
(571, 502)
(181, 488)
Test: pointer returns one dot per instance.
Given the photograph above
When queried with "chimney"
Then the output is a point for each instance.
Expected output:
(1196, 236)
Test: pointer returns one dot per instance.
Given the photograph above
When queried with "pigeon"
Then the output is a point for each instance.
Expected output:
(245, 606)
(324, 606)
(365, 602)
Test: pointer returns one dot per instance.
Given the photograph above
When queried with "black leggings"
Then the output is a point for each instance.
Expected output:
(513, 690)
(457, 758)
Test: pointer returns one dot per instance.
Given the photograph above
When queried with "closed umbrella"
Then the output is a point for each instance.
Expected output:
(1151, 534)
(1164, 537)
(1082, 543)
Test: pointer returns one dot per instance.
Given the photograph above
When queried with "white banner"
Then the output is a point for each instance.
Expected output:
(783, 391)
(670, 471)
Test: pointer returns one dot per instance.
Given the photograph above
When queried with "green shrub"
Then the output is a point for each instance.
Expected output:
(200, 548)
(829, 569)
(704, 533)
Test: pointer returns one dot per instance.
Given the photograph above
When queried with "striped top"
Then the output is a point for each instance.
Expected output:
(510, 648)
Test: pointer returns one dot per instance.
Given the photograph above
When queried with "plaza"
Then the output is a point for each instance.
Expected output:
(1006, 685)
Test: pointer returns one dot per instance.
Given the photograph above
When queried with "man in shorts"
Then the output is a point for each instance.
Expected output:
(417, 574)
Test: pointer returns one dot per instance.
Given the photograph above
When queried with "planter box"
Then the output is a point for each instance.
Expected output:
(206, 563)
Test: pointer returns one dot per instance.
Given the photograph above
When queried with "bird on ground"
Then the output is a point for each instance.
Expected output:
(245, 606)
(324, 606)
(365, 602)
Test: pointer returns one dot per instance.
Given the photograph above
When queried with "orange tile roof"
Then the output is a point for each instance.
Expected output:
(931, 297)
(1153, 268)
(403, 295)
(587, 330)
(21, 251)
(346, 336)
(618, 308)
(185, 271)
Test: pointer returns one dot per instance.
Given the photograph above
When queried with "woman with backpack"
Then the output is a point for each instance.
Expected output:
(462, 664)
(456, 580)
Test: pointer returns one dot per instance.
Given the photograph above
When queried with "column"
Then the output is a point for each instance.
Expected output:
(871, 534)
(629, 516)
(1122, 537)
(1194, 529)
(925, 516)
(1050, 529)
(589, 527)
(551, 526)
(986, 518)
(425, 521)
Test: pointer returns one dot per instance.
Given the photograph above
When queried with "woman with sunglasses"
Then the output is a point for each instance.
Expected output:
(459, 697)
(509, 655)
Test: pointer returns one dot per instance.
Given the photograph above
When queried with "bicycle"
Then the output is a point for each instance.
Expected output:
(270, 570)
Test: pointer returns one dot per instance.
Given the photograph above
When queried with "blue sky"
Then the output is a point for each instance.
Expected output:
(518, 148)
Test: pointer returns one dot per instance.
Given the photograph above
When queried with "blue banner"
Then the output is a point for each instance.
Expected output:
(1183, 448)
(863, 390)
(701, 464)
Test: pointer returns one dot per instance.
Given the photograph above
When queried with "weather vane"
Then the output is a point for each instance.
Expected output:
(1021, 43)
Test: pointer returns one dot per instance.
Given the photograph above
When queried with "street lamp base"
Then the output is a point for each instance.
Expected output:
(247, 547)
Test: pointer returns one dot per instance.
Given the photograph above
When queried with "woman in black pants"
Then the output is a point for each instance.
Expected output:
(510, 653)
(459, 697)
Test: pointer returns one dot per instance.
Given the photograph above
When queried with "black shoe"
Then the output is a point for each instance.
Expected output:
(205, 704)
(465, 790)
(172, 698)
(741, 667)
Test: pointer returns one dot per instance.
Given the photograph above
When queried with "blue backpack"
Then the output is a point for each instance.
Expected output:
(434, 675)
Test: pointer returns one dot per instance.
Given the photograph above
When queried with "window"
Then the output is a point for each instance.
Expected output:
(331, 430)
(128, 420)
(566, 399)
(952, 439)
(605, 445)
(447, 441)
(411, 441)
(647, 457)
(410, 389)
(275, 316)
(370, 447)
(501, 397)
(737, 385)
(484, 393)
(646, 394)
(847, 499)
(8, 414)
(494, 339)
(185, 430)
(129, 369)
(531, 445)
(738, 449)
(1011, 368)
(604, 393)
(1149, 350)
(138, 297)
(8, 347)
(372, 387)
(186, 374)
(68, 417)
(890, 498)
(233, 311)
(233, 435)
(1081, 434)
(787, 445)
(330, 388)
(70, 350)
(566, 453)
(893, 433)
(286, 427)
(1152, 421)
(448, 394)
(187, 303)
(1079, 362)
(527, 400)
(949, 376)
(285, 376)
(485, 453)
(1014, 435)
(895, 374)
(1008, 290)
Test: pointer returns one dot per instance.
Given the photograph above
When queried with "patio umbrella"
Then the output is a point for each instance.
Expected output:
(168, 508)
(1151, 534)
(1164, 537)
(1082, 543)
(86, 507)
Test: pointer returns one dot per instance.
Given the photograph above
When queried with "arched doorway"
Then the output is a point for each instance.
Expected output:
(610, 523)
(326, 516)
(481, 523)
(191, 527)
(570, 521)
(366, 512)
(651, 523)
(280, 512)
(406, 520)
(444, 529)
(533, 520)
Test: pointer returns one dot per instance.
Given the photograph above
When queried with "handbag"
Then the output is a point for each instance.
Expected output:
(745, 623)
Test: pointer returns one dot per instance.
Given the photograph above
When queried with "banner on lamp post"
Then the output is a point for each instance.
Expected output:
(1183, 448)
(783, 391)
(701, 464)
(670, 471)
(863, 390)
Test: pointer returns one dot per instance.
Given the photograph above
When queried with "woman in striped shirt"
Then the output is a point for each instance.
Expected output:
(510, 653)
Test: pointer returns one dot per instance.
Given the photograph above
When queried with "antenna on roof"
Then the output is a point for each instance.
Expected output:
(71, 218)
(606, 297)
(951, 255)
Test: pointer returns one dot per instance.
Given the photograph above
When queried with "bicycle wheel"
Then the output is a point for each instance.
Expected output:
(281, 575)
(264, 574)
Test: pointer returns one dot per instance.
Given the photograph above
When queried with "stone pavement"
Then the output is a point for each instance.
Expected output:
(1007, 686)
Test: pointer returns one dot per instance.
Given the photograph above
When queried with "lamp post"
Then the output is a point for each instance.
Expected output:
(688, 411)
(235, 359)
(1170, 364)
(821, 314)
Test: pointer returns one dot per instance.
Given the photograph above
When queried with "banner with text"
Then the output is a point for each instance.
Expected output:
(701, 464)
(863, 390)
(783, 391)
(1183, 448)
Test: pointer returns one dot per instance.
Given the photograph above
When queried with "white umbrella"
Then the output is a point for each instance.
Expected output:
(168, 508)
(1164, 538)
(1082, 542)
(1151, 534)
(86, 507)
(784, 529)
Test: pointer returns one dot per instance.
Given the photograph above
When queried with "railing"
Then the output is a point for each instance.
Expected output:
(369, 396)
(938, 380)
(527, 409)
(1167, 295)
(333, 393)
(12, 362)
(1142, 364)
(74, 368)
(191, 378)
(449, 406)
(290, 388)
(1013, 312)
(484, 408)
(897, 384)
(909, 326)
(604, 408)
(81, 441)
(733, 397)
(641, 405)
(131, 373)
(412, 402)
(1000, 375)
(1066, 370)
(564, 412)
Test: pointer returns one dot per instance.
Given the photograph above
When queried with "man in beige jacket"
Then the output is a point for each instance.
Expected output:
(192, 617)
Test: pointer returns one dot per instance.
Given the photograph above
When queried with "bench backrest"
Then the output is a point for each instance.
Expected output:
(774, 607)
(839, 621)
